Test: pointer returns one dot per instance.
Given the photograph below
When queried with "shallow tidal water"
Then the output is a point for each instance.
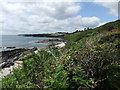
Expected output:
(21, 42)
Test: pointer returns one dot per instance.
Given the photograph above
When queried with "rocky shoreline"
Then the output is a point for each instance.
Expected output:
(11, 59)
(50, 40)
(7, 58)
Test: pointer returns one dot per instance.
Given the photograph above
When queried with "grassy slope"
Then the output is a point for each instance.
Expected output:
(89, 59)
(99, 50)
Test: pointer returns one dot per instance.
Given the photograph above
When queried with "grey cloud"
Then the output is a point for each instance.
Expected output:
(43, 18)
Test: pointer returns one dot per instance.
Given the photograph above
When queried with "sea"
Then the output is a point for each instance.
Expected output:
(21, 42)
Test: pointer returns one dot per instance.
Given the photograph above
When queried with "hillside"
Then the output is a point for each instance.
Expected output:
(90, 60)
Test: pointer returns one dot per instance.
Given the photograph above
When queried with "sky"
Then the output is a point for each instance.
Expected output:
(50, 17)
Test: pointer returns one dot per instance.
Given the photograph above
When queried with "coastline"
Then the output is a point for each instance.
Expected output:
(54, 35)
(9, 58)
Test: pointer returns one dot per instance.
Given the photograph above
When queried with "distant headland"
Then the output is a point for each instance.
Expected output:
(58, 34)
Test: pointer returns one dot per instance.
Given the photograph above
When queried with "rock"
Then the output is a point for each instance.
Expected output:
(33, 48)
(12, 59)
(60, 45)
(11, 54)
(7, 64)
(5, 71)
(36, 51)
(18, 64)
(49, 40)
(2, 64)
(9, 57)
(8, 70)
(10, 47)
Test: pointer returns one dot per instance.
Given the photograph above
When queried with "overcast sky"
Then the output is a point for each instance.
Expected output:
(47, 17)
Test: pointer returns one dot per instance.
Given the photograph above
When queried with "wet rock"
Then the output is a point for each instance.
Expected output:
(10, 47)
(7, 64)
(9, 57)
(11, 54)
(49, 40)
(8, 70)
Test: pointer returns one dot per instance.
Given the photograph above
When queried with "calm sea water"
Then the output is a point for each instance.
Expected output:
(21, 42)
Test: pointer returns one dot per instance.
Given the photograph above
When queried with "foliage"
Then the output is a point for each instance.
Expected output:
(17, 80)
(89, 59)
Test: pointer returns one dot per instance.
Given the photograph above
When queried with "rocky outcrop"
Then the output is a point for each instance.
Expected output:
(60, 45)
(49, 40)
(11, 47)
(8, 70)
(8, 58)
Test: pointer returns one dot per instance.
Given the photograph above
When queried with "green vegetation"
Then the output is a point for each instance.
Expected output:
(90, 59)
(57, 35)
